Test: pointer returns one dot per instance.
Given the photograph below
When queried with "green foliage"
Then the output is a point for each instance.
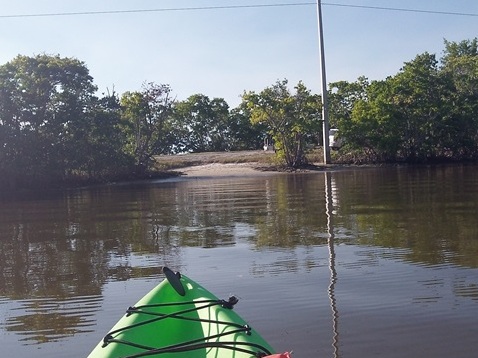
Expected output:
(99, 143)
(54, 128)
(342, 98)
(42, 102)
(243, 134)
(290, 118)
(460, 71)
(418, 93)
(425, 112)
(147, 123)
(203, 124)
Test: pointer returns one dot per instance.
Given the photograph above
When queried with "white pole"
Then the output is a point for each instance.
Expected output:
(325, 109)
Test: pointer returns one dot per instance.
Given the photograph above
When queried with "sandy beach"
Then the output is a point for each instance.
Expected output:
(225, 170)
(228, 164)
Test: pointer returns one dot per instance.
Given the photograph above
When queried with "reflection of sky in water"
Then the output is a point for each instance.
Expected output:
(405, 276)
(377, 292)
(243, 230)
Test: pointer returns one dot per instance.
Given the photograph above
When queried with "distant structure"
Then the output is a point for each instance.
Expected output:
(335, 142)
(268, 144)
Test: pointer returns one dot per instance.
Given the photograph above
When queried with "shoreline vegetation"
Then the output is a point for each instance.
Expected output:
(255, 163)
(207, 164)
(56, 132)
(258, 162)
(246, 163)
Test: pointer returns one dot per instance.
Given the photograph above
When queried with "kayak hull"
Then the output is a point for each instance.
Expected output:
(190, 323)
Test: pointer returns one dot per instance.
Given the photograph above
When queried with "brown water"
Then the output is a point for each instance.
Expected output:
(352, 263)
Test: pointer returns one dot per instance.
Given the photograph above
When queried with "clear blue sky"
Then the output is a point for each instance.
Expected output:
(222, 52)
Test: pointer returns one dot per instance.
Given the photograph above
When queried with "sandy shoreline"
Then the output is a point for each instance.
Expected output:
(232, 164)
(225, 170)
(250, 169)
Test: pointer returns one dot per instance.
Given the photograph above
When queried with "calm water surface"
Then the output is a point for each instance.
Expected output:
(350, 263)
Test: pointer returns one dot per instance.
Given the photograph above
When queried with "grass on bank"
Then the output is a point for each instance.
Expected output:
(178, 161)
(260, 157)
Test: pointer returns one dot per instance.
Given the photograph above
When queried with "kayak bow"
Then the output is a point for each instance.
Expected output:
(179, 318)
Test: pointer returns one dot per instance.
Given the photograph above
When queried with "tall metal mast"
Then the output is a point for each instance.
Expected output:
(325, 108)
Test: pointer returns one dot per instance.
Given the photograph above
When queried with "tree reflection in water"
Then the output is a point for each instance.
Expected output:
(59, 252)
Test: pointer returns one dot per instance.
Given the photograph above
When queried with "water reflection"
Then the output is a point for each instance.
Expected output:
(331, 202)
(50, 319)
(380, 227)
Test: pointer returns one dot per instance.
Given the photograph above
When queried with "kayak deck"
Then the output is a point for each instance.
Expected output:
(180, 318)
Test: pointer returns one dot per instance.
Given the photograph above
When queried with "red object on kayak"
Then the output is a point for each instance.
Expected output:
(281, 355)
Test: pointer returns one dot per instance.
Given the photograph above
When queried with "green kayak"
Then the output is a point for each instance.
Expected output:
(179, 318)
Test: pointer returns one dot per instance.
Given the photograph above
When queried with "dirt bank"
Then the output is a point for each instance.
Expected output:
(209, 164)
(214, 164)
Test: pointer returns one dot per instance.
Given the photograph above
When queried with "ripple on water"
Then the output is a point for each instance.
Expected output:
(41, 320)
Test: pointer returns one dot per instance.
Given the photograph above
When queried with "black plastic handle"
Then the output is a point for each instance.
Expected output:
(174, 280)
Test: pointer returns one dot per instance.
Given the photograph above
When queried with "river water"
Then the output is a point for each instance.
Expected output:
(348, 263)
